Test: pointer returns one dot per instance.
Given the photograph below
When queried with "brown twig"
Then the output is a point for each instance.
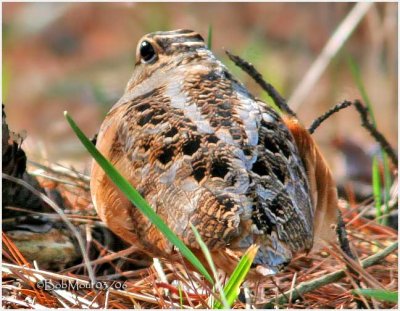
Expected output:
(345, 247)
(342, 237)
(306, 287)
(318, 121)
(366, 123)
(105, 258)
(252, 72)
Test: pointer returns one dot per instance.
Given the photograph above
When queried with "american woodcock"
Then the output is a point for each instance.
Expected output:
(201, 149)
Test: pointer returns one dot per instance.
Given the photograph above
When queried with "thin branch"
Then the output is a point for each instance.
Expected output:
(63, 171)
(271, 91)
(60, 212)
(110, 257)
(309, 286)
(366, 123)
(342, 237)
(374, 259)
(317, 122)
(345, 247)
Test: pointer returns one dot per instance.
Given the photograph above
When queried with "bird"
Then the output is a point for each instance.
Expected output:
(202, 150)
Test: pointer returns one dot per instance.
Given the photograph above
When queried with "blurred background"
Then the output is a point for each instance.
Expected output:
(79, 56)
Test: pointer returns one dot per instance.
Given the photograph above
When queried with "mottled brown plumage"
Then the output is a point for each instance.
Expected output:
(202, 150)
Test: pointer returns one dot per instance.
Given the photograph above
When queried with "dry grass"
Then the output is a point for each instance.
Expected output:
(180, 288)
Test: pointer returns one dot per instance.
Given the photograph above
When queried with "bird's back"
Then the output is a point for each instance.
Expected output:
(202, 150)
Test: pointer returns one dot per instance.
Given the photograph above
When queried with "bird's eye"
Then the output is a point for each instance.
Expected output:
(147, 52)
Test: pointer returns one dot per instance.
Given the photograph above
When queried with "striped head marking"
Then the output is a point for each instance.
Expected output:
(168, 43)
(165, 50)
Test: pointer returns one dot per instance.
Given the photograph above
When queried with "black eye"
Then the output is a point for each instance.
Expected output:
(147, 52)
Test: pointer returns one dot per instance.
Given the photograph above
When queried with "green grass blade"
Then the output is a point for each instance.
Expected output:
(376, 187)
(238, 276)
(209, 37)
(134, 196)
(210, 262)
(387, 181)
(379, 294)
(180, 295)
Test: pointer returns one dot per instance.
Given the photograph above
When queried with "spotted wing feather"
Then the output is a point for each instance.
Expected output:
(283, 208)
